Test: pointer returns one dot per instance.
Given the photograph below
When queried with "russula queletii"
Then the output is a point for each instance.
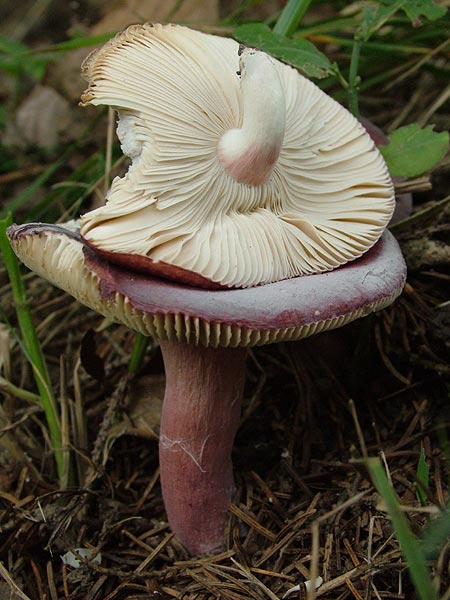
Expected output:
(253, 212)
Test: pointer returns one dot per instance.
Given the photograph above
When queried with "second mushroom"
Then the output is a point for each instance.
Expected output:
(253, 212)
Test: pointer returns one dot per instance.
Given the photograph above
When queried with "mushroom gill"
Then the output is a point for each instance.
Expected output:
(235, 180)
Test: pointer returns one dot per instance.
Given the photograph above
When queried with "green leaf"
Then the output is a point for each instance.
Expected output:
(80, 42)
(296, 52)
(412, 151)
(15, 58)
(9, 46)
(415, 9)
(370, 19)
(423, 471)
(376, 15)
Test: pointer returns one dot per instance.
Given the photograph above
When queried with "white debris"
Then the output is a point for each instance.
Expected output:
(74, 558)
(307, 585)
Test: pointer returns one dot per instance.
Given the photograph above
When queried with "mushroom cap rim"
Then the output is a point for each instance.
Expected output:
(379, 275)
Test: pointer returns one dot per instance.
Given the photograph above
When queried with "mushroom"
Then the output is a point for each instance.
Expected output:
(203, 336)
(243, 172)
(253, 212)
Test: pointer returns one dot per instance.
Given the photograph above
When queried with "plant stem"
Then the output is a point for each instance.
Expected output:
(353, 78)
(290, 17)
(32, 346)
(9, 388)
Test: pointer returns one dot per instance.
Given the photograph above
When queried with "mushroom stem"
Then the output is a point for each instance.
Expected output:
(249, 154)
(200, 417)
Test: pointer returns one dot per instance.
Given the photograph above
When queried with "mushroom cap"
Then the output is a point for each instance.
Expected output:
(286, 310)
(178, 213)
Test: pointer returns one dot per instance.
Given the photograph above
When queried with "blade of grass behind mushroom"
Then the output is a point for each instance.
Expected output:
(291, 15)
(137, 353)
(411, 549)
(33, 351)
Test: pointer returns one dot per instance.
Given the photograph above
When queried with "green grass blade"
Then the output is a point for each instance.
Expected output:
(76, 43)
(31, 190)
(411, 547)
(9, 388)
(423, 478)
(353, 77)
(292, 14)
(137, 353)
(32, 346)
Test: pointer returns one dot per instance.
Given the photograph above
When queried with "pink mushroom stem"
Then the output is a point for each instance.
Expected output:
(200, 417)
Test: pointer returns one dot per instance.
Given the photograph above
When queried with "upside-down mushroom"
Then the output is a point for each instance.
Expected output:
(257, 182)
(236, 180)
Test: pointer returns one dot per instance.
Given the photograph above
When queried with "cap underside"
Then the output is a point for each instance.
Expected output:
(327, 201)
